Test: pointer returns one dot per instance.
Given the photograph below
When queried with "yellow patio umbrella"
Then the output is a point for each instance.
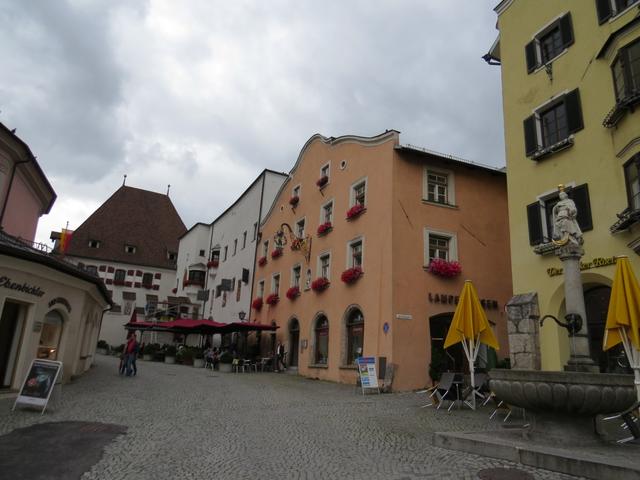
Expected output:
(623, 316)
(471, 328)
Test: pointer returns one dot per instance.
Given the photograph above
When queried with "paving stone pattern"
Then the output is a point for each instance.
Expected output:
(188, 423)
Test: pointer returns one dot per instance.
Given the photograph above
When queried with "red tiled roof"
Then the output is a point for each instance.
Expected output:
(145, 220)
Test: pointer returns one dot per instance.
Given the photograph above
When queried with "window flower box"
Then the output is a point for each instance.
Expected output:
(355, 211)
(351, 275)
(257, 303)
(213, 264)
(277, 253)
(272, 299)
(293, 293)
(262, 261)
(324, 228)
(322, 181)
(320, 284)
(293, 201)
(444, 268)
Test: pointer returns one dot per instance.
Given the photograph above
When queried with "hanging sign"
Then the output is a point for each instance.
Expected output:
(367, 373)
(38, 384)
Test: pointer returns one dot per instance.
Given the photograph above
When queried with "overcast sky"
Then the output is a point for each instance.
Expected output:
(204, 94)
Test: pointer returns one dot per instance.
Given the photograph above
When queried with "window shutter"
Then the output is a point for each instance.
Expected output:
(530, 53)
(530, 135)
(580, 196)
(604, 10)
(574, 111)
(566, 30)
(535, 224)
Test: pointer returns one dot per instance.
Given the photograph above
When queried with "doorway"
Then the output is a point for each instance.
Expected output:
(50, 336)
(451, 359)
(294, 341)
(11, 326)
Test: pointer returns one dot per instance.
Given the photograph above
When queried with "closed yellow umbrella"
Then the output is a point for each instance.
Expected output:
(623, 316)
(471, 328)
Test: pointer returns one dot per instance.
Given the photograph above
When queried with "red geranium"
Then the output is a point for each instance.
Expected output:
(444, 268)
(262, 261)
(293, 201)
(322, 181)
(354, 211)
(320, 284)
(273, 299)
(293, 292)
(213, 264)
(351, 275)
(276, 253)
(257, 303)
(324, 228)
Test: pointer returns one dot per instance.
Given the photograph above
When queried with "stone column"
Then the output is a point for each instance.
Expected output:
(580, 359)
(524, 331)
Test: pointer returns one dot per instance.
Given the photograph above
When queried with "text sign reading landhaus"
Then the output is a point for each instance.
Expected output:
(38, 384)
(20, 287)
(595, 263)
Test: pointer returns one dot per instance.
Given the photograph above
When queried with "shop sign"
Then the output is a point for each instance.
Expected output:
(367, 372)
(38, 384)
(595, 263)
(20, 287)
(61, 301)
(453, 300)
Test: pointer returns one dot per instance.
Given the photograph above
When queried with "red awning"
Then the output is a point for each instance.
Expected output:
(189, 325)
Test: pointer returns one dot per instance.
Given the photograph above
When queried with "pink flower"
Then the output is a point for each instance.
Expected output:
(443, 268)
(354, 211)
(257, 303)
(322, 181)
(320, 284)
(293, 292)
(324, 228)
(262, 261)
(351, 275)
(272, 299)
(293, 201)
(276, 253)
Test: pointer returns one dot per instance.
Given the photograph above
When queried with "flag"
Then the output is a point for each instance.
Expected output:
(65, 239)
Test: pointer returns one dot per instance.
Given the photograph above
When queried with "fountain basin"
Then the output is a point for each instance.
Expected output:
(568, 393)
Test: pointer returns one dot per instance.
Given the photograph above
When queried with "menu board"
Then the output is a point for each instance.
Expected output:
(367, 372)
(38, 384)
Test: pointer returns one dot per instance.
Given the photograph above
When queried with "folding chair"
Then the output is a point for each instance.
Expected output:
(235, 365)
(479, 390)
(500, 405)
(443, 391)
(630, 423)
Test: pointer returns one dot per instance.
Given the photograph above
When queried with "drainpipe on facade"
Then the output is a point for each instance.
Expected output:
(206, 280)
(253, 272)
(6, 197)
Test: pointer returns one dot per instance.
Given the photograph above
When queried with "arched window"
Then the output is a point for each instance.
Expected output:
(355, 336)
(50, 336)
(321, 354)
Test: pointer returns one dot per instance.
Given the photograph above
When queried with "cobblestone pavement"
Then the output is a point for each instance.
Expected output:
(187, 423)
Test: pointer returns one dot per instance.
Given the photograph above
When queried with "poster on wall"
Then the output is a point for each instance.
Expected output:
(38, 384)
(367, 373)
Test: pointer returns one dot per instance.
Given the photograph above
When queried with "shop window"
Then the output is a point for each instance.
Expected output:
(549, 43)
(50, 336)
(355, 336)
(321, 331)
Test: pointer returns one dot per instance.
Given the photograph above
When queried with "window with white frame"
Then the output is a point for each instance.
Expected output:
(359, 193)
(235, 246)
(244, 239)
(439, 245)
(226, 251)
(300, 228)
(437, 187)
(265, 248)
(324, 171)
(261, 289)
(324, 265)
(296, 272)
(354, 253)
(94, 243)
(549, 42)
(326, 212)
(296, 191)
(275, 283)
(255, 231)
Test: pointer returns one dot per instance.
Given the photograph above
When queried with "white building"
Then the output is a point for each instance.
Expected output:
(216, 260)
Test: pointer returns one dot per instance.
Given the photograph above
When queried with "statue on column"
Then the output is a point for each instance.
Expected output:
(566, 230)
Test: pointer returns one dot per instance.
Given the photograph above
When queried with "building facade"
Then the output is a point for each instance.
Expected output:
(571, 80)
(217, 259)
(347, 256)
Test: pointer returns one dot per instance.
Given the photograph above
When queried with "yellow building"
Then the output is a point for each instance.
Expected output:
(571, 82)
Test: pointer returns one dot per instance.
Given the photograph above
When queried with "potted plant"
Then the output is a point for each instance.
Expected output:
(257, 303)
(320, 284)
(103, 347)
(293, 201)
(198, 358)
(322, 181)
(351, 275)
(226, 359)
(293, 293)
(262, 261)
(170, 354)
(445, 269)
(276, 253)
(355, 211)
(272, 299)
(324, 228)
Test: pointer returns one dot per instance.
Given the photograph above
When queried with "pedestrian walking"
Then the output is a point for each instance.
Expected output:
(131, 352)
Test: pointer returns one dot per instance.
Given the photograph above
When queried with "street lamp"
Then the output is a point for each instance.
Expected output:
(241, 315)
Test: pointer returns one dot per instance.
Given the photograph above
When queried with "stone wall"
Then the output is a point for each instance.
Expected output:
(523, 315)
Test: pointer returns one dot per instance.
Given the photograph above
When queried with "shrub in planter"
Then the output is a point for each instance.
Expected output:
(322, 181)
(443, 268)
(293, 293)
(354, 211)
(351, 275)
(257, 303)
(320, 284)
(273, 299)
(293, 201)
(262, 261)
(276, 253)
(169, 354)
(324, 228)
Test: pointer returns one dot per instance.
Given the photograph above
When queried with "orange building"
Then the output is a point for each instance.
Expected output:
(387, 226)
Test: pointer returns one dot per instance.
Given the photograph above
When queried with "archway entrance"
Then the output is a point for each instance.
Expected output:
(294, 342)
(50, 336)
(11, 326)
(450, 360)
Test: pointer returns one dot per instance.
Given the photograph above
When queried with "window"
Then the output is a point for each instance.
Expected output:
(265, 248)
(324, 173)
(196, 277)
(437, 186)
(300, 228)
(324, 265)
(326, 213)
(202, 253)
(226, 250)
(354, 258)
(355, 336)
(119, 276)
(261, 288)
(244, 239)
(275, 283)
(549, 43)
(611, 8)
(147, 280)
(626, 73)
(550, 128)
(296, 271)
(296, 191)
(539, 213)
(172, 256)
(215, 255)
(441, 245)
(255, 231)
(358, 193)
(130, 249)
(94, 243)
(235, 246)
(633, 182)
(321, 330)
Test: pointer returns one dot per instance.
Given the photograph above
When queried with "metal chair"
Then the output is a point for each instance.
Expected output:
(443, 391)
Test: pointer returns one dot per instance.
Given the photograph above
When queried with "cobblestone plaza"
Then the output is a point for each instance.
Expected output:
(187, 423)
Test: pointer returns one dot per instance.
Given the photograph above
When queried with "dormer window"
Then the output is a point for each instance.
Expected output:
(94, 243)
(129, 249)
(172, 256)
